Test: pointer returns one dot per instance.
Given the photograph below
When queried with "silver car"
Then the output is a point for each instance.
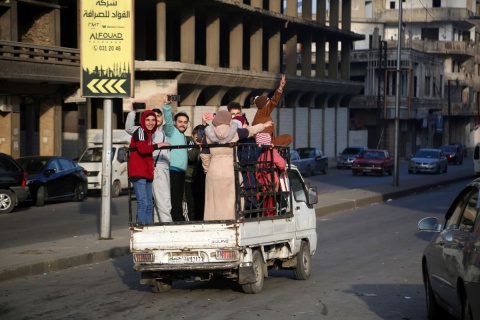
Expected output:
(451, 261)
(428, 161)
(346, 157)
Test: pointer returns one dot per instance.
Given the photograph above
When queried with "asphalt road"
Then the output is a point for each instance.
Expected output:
(341, 179)
(367, 266)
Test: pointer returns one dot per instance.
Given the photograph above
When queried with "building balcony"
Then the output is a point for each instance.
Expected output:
(458, 15)
(462, 48)
(25, 62)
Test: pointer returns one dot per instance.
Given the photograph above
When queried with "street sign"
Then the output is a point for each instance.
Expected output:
(107, 48)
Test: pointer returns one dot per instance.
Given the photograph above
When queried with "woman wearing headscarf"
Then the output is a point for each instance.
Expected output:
(218, 164)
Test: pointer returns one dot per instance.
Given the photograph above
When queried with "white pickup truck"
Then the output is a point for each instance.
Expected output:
(243, 248)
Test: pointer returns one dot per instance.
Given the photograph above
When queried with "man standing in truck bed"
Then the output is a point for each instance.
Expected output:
(174, 129)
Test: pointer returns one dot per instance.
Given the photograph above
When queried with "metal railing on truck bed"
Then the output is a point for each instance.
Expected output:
(262, 192)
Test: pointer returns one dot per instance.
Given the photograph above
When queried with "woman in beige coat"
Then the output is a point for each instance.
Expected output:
(218, 164)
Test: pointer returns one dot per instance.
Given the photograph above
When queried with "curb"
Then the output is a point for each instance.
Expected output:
(62, 263)
(379, 198)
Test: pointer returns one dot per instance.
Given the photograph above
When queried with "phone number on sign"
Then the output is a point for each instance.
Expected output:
(107, 48)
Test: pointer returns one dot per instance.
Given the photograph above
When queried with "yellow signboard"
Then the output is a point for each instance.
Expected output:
(107, 48)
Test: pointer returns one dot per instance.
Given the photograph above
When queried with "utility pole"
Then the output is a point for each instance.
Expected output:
(397, 96)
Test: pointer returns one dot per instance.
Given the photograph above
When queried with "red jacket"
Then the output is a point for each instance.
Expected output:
(140, 163)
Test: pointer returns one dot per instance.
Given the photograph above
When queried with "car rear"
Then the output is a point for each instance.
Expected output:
(13, 183)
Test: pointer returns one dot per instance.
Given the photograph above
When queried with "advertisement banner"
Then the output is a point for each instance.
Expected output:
(107, 48)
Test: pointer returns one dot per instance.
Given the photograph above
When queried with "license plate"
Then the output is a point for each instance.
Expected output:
(185, 259)
(366, 170)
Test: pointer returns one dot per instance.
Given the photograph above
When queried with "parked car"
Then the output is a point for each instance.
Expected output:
(54, 178)
(346, 157)
(305, 166)
(373, 161)
(451, 261)
(462, 147)
(453, 153)
(13, 183)
(429, 161)
(317, 157)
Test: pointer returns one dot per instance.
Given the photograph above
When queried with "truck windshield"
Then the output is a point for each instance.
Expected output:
(94, 155)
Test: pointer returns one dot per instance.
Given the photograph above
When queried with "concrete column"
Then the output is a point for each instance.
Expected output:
(307, 9)
(291, 9)
(256, 44)
(320, 56)
(322, 11)
(274, 50)
(213, 39)
(187, 35)
(55, 27)
(10, 128)
(161, 30)
(14, 21)
(257, 4)
(291, 51)
(236, 43)
(275, 5)
(333, 60)
(30, 135)
(307, 54)
(345, 60)
(50, 128)
(346, 15)
(334, 13)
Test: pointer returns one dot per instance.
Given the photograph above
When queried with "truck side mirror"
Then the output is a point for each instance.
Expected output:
(312, 195)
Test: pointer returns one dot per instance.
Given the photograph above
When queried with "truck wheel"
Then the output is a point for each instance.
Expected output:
(257, 286)
(7, 201)
(40, 198)
(304, 262)
(161, 286)
(116, 189)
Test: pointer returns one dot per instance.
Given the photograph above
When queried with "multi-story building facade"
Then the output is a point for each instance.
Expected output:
(212, 52)
(441, 100)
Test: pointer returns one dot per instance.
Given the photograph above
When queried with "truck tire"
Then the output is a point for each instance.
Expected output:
(7, 201)
(257, 286)
(304, 262)
(116, 189)
(161, 286)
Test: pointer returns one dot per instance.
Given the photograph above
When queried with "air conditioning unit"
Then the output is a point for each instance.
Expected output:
(4, 105)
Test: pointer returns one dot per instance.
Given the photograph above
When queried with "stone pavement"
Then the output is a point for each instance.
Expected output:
(45, 257)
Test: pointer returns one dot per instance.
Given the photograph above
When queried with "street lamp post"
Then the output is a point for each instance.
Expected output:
(449, 111)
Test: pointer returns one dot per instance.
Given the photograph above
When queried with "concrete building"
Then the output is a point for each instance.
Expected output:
(439, 103)
(210, 52)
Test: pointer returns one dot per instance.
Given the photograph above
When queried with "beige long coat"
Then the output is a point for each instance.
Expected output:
(220, 183)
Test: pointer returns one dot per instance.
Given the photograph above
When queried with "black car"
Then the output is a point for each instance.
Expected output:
(54, 178)
(463, 148)
(13, 183)
(451, 262)
(453, 153)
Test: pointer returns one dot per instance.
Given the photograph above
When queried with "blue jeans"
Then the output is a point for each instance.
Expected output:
(143, 192)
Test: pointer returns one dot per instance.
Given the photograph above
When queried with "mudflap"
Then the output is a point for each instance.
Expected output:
(246, 275)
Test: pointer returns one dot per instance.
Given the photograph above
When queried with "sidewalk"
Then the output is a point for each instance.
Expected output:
(45, 257)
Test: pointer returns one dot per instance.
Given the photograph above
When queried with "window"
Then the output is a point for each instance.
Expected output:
(392, 4)
(465, 210)
(299, 193)
(427, 86)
